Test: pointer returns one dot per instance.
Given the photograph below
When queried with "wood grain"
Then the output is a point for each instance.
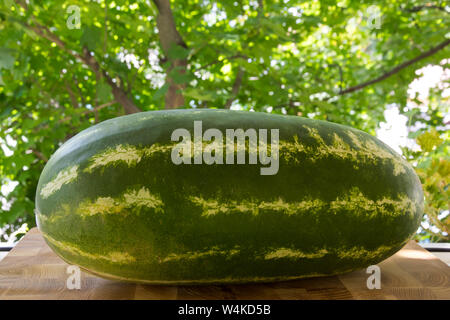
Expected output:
(32, 271)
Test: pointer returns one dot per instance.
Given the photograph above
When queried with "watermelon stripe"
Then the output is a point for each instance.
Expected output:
(200, 254)
(64, 177)
(129, 200)
(113, 257)
(354, 201)
(367, 152)
(294, 254)
(227, 280)
(128, 154)
(356, 253)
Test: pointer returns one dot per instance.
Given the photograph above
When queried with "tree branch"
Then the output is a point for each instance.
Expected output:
(118, 93)
(105, 36)
(85, 112)
(73, 98)
(80, 93)
(236, 87)
(96, 109)
(420, 8)
(341, 76)
(398, 68)
(260, 8)
(236, 56)
(40, 155)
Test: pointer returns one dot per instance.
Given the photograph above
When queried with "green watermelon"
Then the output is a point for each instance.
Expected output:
(126, 201)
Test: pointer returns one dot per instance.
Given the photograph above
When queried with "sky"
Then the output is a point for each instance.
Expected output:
(394, 131)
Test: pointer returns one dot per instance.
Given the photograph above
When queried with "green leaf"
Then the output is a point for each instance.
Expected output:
(429, 140)
(118, 66)
(161, 92)
(6, 59)
(9, 4)
(104, 91)
(178, 52)
(198, 94)
(6, 112)
(276, 29)
(180, 78)
(91, 37)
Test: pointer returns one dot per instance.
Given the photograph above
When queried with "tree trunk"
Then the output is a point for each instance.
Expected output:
(169, 37)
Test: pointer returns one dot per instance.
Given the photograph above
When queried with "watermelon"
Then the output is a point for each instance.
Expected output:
(125, 200)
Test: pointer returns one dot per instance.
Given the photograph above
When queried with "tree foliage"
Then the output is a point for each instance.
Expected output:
(342, 61)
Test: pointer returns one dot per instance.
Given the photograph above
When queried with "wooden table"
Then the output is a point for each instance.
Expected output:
(32, 271)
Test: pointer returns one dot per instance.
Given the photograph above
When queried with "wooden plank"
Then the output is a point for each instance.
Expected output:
(32, 271)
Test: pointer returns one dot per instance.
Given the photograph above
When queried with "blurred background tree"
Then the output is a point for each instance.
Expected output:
(66, 65)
